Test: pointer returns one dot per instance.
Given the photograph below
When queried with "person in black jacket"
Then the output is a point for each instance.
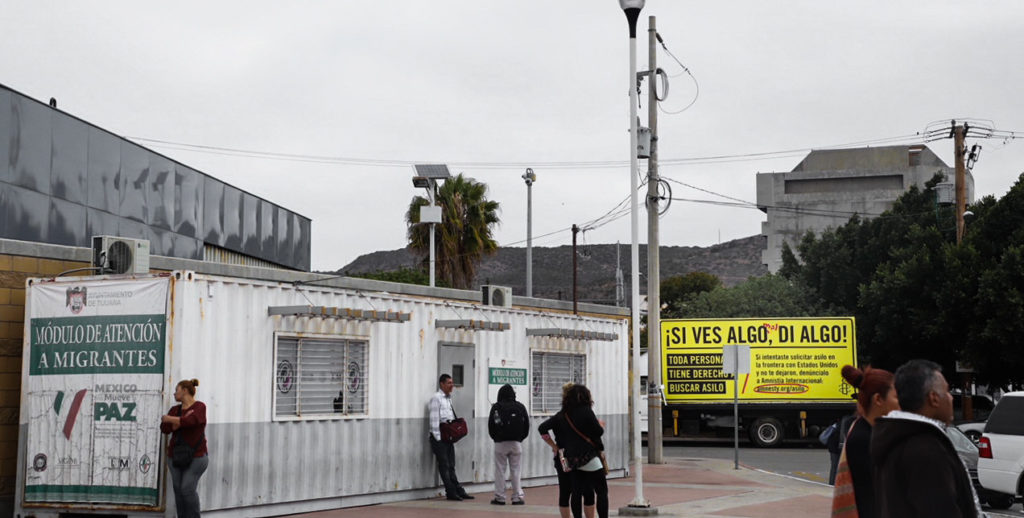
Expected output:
(918, 473)
(508, 424)
(836, 442)
(567, 500)
(585, 450)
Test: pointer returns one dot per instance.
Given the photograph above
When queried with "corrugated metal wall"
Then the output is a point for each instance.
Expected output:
(221, 334)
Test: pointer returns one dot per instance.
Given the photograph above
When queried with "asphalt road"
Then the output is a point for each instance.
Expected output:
(801, 461)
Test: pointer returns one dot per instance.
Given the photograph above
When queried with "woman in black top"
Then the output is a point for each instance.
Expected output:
(876, 397)
(567, 500)
(583, 445)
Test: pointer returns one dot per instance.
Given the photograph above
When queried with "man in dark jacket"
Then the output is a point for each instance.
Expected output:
(917, 471)
(836, 442)
(508, 424)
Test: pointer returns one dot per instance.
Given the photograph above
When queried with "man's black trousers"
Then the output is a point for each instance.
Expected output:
(445, 453)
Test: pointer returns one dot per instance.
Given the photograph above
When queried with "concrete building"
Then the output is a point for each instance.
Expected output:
(830, 186)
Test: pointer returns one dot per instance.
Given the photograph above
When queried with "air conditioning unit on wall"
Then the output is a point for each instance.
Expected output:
(496, 296)
(120, 255)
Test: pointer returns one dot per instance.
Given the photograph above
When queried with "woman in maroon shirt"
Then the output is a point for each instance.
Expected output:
(187, 421)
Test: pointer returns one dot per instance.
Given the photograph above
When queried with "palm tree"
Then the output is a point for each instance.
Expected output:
(464, 234)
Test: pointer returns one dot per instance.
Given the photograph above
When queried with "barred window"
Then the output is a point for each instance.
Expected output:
(550, 372)
(319, 377)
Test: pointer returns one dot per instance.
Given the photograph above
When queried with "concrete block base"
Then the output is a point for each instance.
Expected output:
(638, 511)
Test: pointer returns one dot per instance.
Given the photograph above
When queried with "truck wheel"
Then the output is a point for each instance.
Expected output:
(766, 432)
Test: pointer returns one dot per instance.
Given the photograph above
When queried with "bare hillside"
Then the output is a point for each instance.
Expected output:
(732, 261)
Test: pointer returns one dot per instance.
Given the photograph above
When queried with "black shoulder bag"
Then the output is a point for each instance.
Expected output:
(600, 453)
(182, 452)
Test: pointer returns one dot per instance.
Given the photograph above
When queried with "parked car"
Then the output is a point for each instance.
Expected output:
(981, 405)
(973, 430)
(968, 452)
(1001, 448)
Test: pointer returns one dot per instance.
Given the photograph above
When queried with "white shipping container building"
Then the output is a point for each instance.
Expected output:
(316, 394)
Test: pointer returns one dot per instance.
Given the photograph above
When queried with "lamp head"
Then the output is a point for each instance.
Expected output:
(421, 181)
(632, 9)
(529, 176)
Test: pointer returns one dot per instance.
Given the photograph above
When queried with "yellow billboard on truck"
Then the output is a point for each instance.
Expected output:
(790, 359)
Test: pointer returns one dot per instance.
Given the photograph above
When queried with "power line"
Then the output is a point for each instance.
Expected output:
(687, 71)
(568, 164)
(713, 193)
(834, 213)
(798, 210)
(615, 213)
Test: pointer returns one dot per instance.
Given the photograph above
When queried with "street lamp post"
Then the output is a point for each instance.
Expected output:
(426, 177)
(530, 178)
(431, 190)
(632, 9)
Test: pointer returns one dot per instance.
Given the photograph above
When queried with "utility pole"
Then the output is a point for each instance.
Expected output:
(575, 230)
(530, 178)
(961, 180)
(655, 448)
(959, 149)
(620, 294)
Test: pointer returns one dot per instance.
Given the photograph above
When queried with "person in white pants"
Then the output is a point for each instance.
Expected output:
(508, 424)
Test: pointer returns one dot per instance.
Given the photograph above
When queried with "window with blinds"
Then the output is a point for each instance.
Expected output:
(550, 372)
(319, 377)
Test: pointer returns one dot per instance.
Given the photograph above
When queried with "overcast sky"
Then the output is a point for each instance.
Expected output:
(494, 87)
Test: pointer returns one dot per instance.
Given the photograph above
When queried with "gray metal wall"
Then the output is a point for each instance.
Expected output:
(287, 467)
(63, 180)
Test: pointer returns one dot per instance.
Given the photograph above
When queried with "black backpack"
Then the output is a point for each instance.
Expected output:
(508, 421)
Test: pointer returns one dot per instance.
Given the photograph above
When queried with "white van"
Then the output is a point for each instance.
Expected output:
(1001, 448)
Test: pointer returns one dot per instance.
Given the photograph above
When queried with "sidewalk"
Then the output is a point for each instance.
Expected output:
(682, 487)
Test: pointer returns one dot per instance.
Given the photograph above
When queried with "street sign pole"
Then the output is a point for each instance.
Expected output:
(736, 410)
(736, 361)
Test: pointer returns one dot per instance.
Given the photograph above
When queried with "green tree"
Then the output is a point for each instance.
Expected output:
(899, 309)
(678, 289)
(989, 279)
(998, 316)
(464, 235)
(769, 296)
(402, 275)
(839, 261)
(917, 293)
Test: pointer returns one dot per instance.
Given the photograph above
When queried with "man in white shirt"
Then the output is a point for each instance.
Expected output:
(441, 411)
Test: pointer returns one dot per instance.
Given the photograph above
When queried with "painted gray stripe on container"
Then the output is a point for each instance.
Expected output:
(252, 464)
